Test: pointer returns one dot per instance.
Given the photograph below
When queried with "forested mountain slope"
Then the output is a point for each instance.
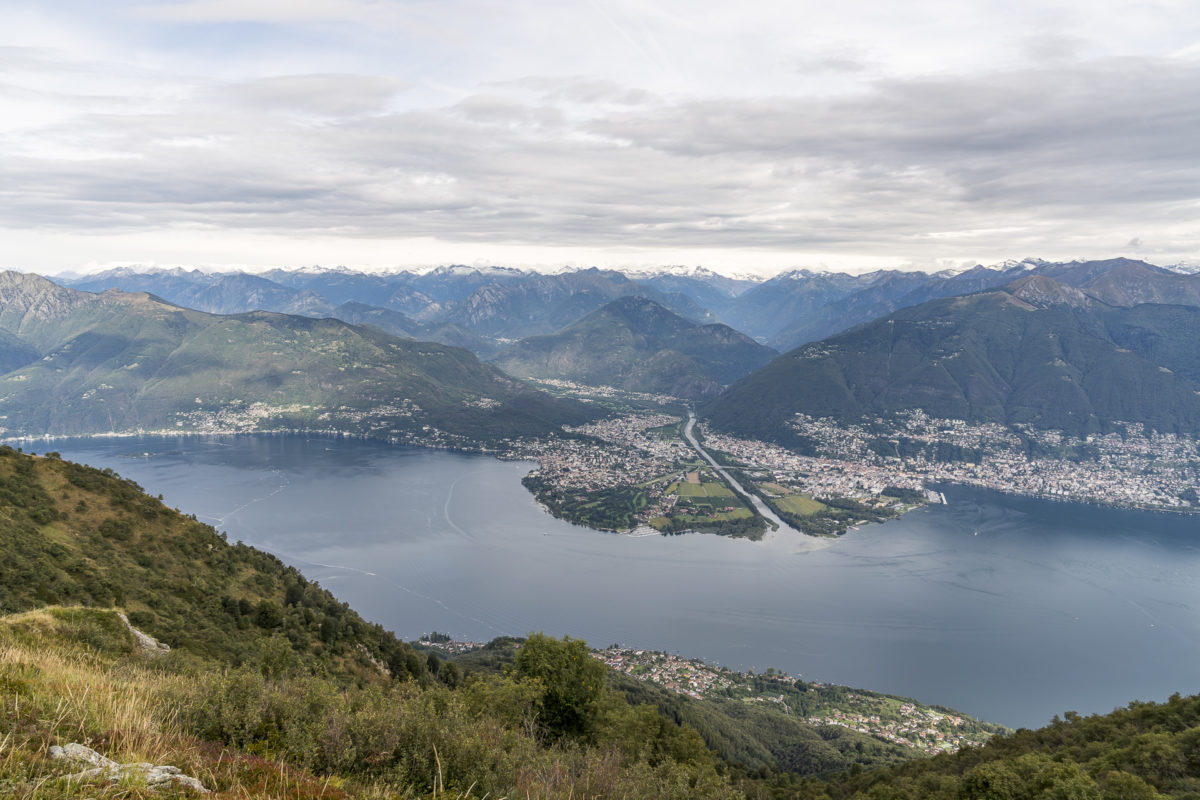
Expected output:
(636, 344)
(118, 362)
(1037, 351)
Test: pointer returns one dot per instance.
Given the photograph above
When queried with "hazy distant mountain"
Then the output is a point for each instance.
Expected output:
(399, 324)
(499, 305)
(491, 303)
(707, 288)
(215, 292)
(292, 293)
(634, 343)
(802, 306)
(1036, 351)
(786, 300)
(1128, 283)
(122, 361)
(540, 304)
(875, 294)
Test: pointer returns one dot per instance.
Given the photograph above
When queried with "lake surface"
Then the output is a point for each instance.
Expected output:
(1009, 609)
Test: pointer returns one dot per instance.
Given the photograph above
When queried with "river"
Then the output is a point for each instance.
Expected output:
(1006, 608)
(781, 527)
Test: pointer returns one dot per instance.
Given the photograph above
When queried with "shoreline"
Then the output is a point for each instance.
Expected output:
(481, 449)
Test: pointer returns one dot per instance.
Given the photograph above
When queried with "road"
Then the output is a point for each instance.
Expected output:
(754, 499)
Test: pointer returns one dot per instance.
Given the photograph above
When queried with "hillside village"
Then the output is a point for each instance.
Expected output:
(902, 722)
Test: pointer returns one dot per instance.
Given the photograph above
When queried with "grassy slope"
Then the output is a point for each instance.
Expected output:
(751, 737)
(265, 665)
(75, 535)
(76, 675)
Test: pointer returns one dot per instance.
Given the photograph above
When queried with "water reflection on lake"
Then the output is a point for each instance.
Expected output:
(1006, 608)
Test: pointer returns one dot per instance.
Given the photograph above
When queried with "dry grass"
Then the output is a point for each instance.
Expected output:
(53, 691)
(75, 675)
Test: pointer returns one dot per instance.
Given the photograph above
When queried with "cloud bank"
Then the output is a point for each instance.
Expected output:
(843, 156)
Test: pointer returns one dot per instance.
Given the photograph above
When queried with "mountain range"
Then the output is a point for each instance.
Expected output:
(1035, 351)
(481, 308)
(80, 362)
(487, 308)
(948, 342)
(636, 344)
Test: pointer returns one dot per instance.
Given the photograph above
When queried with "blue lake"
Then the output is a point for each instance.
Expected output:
(1009, 609)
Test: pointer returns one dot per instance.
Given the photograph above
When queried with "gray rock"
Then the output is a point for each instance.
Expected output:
(145, 641)
(154, 776)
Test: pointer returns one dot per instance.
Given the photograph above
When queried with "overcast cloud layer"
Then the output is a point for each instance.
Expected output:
(750, 136)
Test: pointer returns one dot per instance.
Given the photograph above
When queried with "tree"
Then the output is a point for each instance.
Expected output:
(267, 615)
(572, 682)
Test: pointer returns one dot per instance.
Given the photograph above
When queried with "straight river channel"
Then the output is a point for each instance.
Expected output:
(1006, 608)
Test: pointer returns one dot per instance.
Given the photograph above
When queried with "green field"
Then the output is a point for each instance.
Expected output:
(704, 490)
(800, 504)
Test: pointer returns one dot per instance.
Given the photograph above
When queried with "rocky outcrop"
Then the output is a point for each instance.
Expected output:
(154, 777)
(27, 299)
(145, 641)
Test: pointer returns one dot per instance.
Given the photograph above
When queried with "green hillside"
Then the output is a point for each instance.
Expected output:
(78, 536)
(1146, 751)
(271, 687)
(747, 725)
(635, 344)
(1038, 352)
(118, 362)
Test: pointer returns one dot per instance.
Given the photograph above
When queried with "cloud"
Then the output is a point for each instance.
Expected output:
(581, 89)
(258, 10)
(1043, 156)
(320, 95)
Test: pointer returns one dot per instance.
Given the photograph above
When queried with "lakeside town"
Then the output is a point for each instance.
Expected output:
(1131, 467)
(869, 463)
(901, 721)
(897, 720)
(639, 466)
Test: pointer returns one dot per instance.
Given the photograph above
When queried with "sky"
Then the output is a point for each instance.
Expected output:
(744, 137)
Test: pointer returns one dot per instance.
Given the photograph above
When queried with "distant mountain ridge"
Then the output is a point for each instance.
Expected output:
(634, 343)
(802, 306)
(1036, 351)
(117, 361)
(480, 308)
(486, 308)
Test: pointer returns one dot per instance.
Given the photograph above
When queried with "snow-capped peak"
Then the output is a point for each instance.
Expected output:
(1024, 264)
